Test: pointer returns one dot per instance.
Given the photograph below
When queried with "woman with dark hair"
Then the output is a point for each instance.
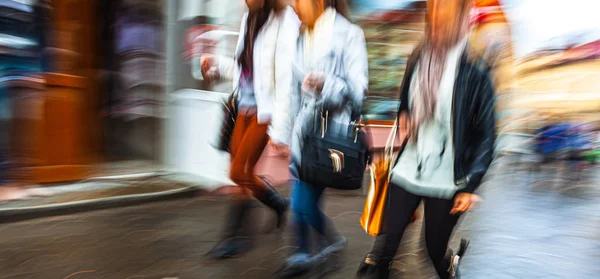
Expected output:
(447, 111)
(262, 76)
(330, 74)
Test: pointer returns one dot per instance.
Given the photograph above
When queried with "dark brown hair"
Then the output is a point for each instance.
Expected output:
(256, 20)
(341, 6)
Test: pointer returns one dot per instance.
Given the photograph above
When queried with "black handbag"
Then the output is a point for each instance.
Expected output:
(230, 112)
(333, 159)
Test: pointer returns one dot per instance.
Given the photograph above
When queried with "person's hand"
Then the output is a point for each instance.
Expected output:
(210, 66)
(404, 125)
(313, 82)
(281, 150)
(463, 202)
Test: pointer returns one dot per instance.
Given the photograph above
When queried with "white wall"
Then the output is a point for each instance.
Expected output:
(551, 24)
(223, 11)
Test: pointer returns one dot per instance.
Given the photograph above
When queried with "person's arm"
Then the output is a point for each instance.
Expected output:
(201, 67)
(485, 125)
(225, 66)
(281, 124)
(337, 90)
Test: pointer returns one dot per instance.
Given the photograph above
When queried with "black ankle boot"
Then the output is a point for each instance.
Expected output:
(235, 239)
(453, 261)
(367, 268)
(274, 200)
(373, 268)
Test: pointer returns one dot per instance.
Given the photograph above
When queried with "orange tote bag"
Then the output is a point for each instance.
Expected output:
(381, 172)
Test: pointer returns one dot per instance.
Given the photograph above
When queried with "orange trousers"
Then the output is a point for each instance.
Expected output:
(248, 142)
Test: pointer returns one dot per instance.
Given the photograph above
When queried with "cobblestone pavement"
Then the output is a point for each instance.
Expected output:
(521, 230)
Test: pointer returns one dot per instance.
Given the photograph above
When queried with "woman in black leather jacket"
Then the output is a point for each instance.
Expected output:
(447, 113)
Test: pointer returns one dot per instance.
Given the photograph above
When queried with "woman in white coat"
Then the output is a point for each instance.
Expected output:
(262, 76)
(330, 73)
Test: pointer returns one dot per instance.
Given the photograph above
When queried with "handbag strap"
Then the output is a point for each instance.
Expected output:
(391, 140)
(323, 117)
(389, 153)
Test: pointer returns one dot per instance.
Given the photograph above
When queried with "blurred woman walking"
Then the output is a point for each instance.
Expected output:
(262, 78)
(447, 111)
(330, 77)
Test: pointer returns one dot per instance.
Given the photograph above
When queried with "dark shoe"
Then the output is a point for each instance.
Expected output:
(373, 268)
(367, 268)
(296, 265)
(275, 201)
(330, 250)
(229, 248)
(332, 258)
(448, 258)
(453, 261)
(334, 246)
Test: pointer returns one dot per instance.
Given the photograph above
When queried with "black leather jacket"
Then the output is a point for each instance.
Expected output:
(473, 124)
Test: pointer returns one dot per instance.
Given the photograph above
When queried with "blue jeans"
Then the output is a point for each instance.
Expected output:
(305, 207)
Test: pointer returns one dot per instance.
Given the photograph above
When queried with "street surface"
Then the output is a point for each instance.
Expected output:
(521, 230)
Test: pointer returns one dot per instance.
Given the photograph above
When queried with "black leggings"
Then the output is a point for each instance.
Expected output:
(439, 224)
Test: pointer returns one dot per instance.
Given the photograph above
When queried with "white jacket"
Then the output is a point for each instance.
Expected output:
(344, 61)
(274, 50)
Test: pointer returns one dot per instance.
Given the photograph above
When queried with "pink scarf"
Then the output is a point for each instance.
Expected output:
(431, 65)
(429, 73)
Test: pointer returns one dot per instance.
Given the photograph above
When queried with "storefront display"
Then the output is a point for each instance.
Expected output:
(194, 104)
(392, 29)
(53, 97)
(22, 42)
(202, 27)
(134, 77)
(139, 49)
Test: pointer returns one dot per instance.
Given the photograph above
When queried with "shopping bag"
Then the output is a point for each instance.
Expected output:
(381, 171)
(374, 211)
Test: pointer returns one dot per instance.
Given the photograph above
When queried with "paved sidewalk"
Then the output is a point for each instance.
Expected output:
(521, 230)
(18, 194)
(19, 203)
(125, 178)
(123, 183)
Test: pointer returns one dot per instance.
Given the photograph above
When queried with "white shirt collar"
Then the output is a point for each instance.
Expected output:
(321, 33)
